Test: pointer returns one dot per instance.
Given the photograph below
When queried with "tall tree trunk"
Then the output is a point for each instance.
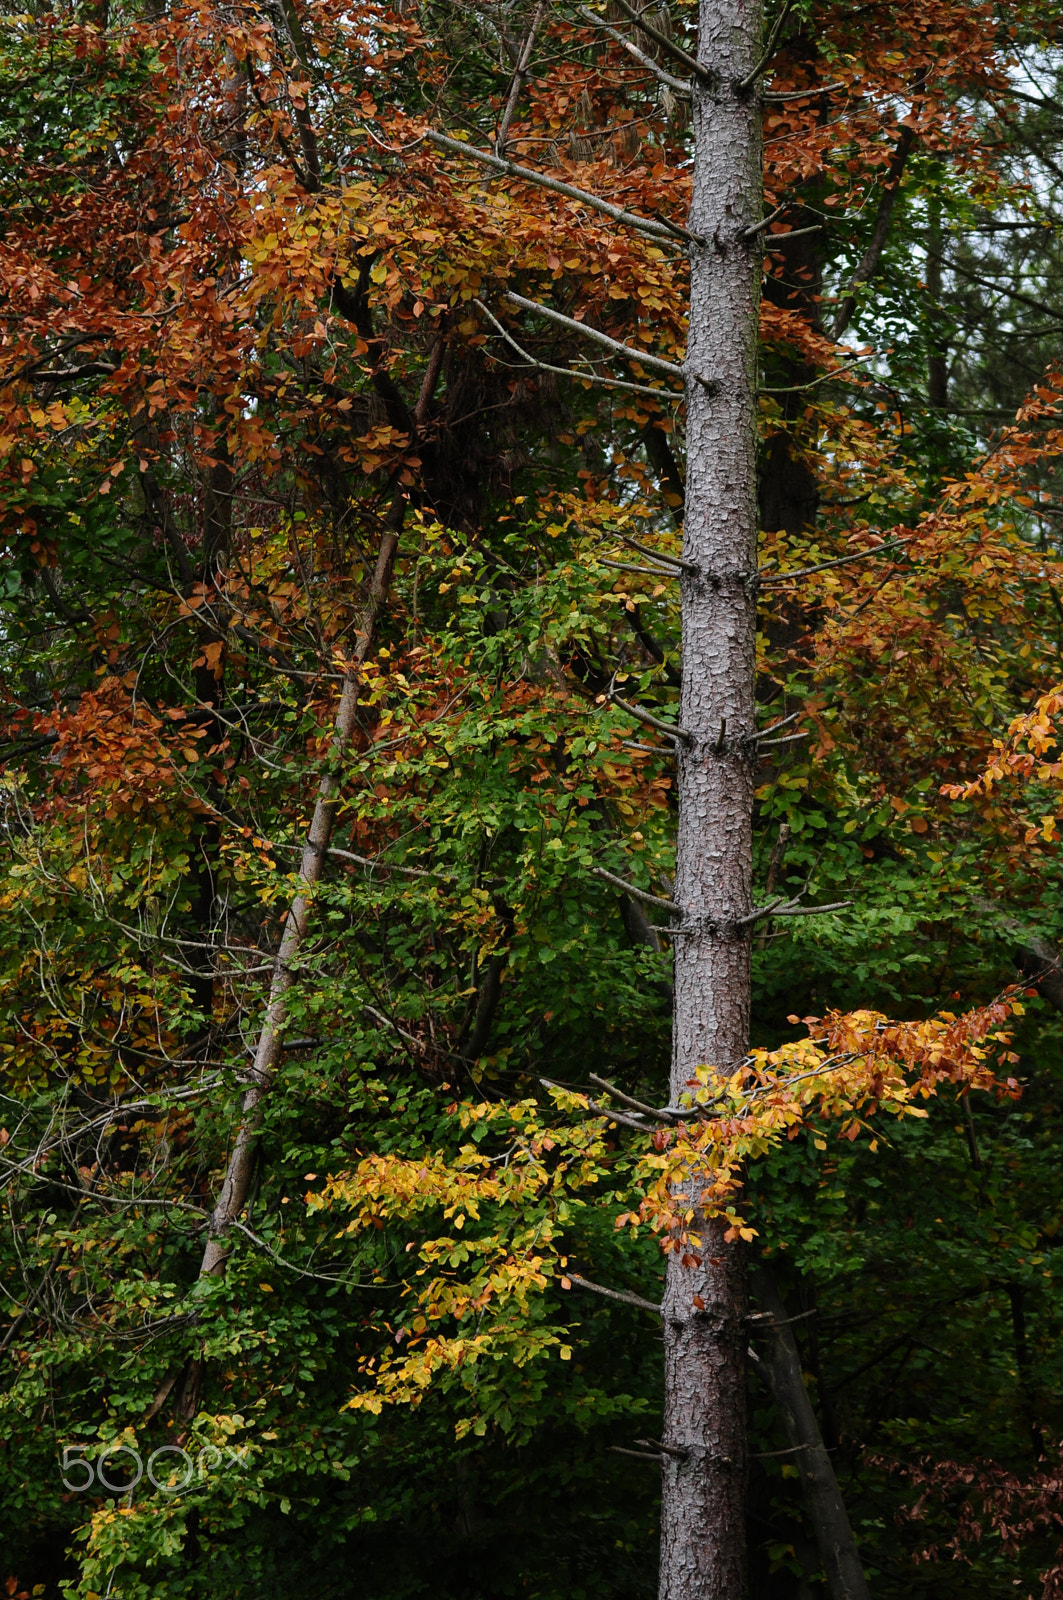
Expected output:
(703, 1503)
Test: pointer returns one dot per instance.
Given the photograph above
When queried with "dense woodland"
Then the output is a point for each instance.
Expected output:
(341, 684)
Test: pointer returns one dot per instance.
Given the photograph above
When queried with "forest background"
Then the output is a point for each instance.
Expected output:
(309, 524)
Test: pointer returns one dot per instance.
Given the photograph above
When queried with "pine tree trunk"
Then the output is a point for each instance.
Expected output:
(703, 1510)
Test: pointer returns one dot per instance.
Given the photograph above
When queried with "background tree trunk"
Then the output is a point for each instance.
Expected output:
(703, 1509)
(782, 1370)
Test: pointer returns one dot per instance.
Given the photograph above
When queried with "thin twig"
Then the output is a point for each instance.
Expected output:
(378, 1016)
(824, 377)
(776, 97)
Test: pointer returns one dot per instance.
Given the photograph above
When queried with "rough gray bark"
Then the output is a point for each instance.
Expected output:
(782, 1370)
(703, 1499)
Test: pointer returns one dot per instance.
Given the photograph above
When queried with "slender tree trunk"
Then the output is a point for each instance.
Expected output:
(238, 1172)
(834, 1536)
(237, 1179)
(937, 361)
(703, 1503)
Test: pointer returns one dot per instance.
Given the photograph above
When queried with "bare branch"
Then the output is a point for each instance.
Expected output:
(840, 561)
(630, 219)
(789, 908)
(775, 97)
(649, 572)
(669, 46)
(651, 721)
(628, 1100)
(629, 352)
(622, 1295)
(769, 48)
(658, 555)
(639, 894)
(574, 372)
(519, 75)
(677, 85)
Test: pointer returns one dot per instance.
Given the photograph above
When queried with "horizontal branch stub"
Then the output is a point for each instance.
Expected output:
(767, 1321)
(791, 1450)
(639, 1455)
(812, 911)
(622, 1295)
(649, 749)
(777, 96)
(669, 1449)
(790, 738)
(839, 561)
(671, 728)
(639, 894)
(630, 219)
(647, 572)
(676, 561)
(788, 908)
(664, 1115)
(794, 233)
(783, 722)
(670, 369)
(573, 372)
